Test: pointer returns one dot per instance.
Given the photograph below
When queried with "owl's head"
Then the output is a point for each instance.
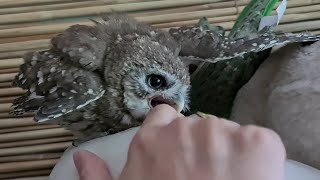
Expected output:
(151, 74)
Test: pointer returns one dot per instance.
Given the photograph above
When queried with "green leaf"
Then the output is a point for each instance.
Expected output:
(269, 7)
(249, 19)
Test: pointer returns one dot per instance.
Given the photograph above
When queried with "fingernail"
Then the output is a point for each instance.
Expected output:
(78, 158)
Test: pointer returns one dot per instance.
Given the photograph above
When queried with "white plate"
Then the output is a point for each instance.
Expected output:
(113, 149)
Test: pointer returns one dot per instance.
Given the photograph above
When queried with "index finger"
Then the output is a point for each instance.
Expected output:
(161, 115)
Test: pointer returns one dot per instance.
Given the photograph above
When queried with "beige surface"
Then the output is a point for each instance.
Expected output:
(284, 95)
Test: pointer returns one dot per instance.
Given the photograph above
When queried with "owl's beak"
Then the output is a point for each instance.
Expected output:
(177, 104)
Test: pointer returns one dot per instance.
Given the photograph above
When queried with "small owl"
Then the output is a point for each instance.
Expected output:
(101, 79)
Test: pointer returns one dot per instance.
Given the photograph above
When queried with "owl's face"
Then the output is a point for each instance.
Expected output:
(149, 88)
(153, 75)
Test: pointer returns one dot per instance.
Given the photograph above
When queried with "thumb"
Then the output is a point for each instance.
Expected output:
(90, 166)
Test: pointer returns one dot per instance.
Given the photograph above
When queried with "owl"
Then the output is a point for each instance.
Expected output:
(101, 79)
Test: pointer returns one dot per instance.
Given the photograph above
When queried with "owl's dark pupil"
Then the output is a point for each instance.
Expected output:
(156, 81)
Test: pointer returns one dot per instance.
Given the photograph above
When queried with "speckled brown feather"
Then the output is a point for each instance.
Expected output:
(55, 86)
(205, 45)
(82, 44)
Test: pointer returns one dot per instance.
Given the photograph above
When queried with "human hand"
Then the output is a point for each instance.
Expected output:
(173, 148)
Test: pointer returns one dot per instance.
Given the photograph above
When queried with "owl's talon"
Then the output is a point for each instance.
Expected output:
(204, 115)
(74, 143)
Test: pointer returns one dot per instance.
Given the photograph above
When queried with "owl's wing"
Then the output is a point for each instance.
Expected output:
(83, 44)
(209, 46)
(55, 86)
(229, 48)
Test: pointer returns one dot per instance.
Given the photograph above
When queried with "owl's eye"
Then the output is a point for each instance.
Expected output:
(156, 81)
